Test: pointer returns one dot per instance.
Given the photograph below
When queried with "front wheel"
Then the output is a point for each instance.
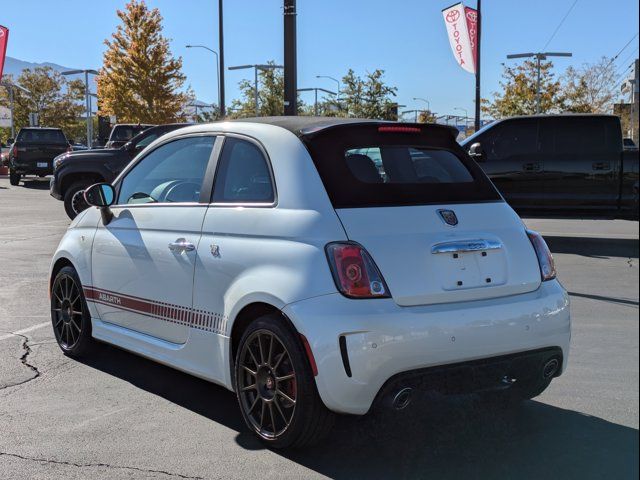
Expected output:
(70, 314)
(275, 386)
(14, 177)
(74, 202)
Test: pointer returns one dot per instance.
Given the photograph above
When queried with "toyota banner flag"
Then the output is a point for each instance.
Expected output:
(462, 28)
(4, 38)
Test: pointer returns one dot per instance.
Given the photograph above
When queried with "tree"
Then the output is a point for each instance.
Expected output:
(427, 116)
(57, 101)
(590, 88)
(519, 86)
(140, 80)
(369, 97)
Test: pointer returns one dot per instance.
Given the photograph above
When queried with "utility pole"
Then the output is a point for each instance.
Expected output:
(221, 61)
(315, 90)
(290, 59)
(539, 57)
(478, 43)
(265, 66)
(87, 101)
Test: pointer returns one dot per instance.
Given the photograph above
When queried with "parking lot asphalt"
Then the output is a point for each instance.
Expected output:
(114, 415)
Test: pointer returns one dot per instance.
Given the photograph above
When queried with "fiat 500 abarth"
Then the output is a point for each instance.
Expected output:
(315, 267)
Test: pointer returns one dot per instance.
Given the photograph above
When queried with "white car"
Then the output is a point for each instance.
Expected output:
(314, 266)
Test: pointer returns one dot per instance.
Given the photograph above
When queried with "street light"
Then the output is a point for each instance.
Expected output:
(10, 86)
(466, 115)
(217, 69)
(539, 56)
(255, 73)
(315, 89)
(423, 100)
(331, 78)
(87, 99)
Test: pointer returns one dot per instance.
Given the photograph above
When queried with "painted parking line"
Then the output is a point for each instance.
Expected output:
(25, 330)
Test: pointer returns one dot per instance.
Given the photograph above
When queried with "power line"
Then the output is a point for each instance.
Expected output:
(559, 25)
(622, 49)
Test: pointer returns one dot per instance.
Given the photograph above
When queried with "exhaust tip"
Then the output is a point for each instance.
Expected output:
(402, 398)
(550, 368)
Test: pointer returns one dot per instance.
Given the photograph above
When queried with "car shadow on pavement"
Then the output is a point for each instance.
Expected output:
(435, 437)
(36, 183)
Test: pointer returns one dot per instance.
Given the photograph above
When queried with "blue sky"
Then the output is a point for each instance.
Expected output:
(406, 38)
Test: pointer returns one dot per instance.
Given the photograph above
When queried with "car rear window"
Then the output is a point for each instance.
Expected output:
(42, 136)
(126, 132)
(367, 165)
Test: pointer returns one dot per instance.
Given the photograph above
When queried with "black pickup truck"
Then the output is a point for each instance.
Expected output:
(573, 163)
(33, 152)
(75, 171)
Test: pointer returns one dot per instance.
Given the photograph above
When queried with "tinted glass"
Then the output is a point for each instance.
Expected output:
(405, 164)
(42, 136)
(510, 138)
(573, 135)
(171, 173)
(243, 174)
(126, 132)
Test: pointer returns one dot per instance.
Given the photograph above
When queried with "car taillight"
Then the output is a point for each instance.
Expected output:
(545, 259)
(354, 272)
(14, 151)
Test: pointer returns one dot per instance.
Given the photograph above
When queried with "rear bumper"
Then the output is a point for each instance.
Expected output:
(31, 168)
(383, 340)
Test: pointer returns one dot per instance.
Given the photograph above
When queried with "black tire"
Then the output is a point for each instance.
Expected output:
(73, 199)
(69, 314)
(309, 421)
(14, 178)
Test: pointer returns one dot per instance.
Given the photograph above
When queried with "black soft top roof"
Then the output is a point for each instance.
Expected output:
(304, 125)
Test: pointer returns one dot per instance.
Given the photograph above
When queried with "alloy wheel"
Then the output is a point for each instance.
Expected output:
(78, 204)
(267, 384)
(67, 311)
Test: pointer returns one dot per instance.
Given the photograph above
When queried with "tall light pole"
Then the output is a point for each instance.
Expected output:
(87, 99)
(415, 99)
(290, 58)
(10, 87)
(255, 74)
(466, 116)
(217, 70)
(223, 109)
(539, 57)
(316, 89)
(331, 78)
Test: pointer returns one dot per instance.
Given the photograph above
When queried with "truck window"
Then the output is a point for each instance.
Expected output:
(510, 138)
(42, 136)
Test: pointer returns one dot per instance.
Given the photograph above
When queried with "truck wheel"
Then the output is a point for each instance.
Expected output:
(74, 199)
(275, 386)
(69, 313)
(14, 177)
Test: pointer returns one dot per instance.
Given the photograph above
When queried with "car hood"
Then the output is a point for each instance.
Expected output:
(93, 155)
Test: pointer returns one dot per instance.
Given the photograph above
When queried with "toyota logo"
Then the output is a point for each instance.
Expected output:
(453, 16)
(472, 16)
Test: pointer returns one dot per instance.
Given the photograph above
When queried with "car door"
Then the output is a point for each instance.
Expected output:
(582, 161)
(513, 162)
(234, 232)
(143, 260)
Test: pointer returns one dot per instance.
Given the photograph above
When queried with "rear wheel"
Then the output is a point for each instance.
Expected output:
(69, 313)
(74, 202)
(275, 386)
(14, 177)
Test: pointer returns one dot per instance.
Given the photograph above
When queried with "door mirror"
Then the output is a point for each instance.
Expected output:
(476, 152)
(101, 195)
(129, 147)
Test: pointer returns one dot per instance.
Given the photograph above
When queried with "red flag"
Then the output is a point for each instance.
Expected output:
(4, 39)
(471, 15)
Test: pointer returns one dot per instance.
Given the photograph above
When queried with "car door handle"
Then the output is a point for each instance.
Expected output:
(601, 166)
(181, 245)
(531, 167)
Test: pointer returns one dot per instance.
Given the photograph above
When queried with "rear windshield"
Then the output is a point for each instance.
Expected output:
(42, 136)
(126, 132)
(361, 166)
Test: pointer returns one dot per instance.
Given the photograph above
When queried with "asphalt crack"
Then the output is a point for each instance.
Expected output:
(25, 362)
(97, 465)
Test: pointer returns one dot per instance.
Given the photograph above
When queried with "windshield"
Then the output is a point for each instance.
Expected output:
(42, 136)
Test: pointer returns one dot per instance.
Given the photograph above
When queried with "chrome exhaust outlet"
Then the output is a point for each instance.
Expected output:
(550, 368)
(402, 398)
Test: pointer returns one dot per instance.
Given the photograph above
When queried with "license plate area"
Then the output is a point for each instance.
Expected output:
(465, 270)
(42, 164)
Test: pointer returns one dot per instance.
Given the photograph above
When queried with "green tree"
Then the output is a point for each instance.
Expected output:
(140, 80)
(518, 95)
(367, 97)
(57, 101)
(590, 88)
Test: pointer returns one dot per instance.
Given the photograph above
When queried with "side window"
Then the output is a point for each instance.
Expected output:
(243, 174)
(511, 139)
(173, 172)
